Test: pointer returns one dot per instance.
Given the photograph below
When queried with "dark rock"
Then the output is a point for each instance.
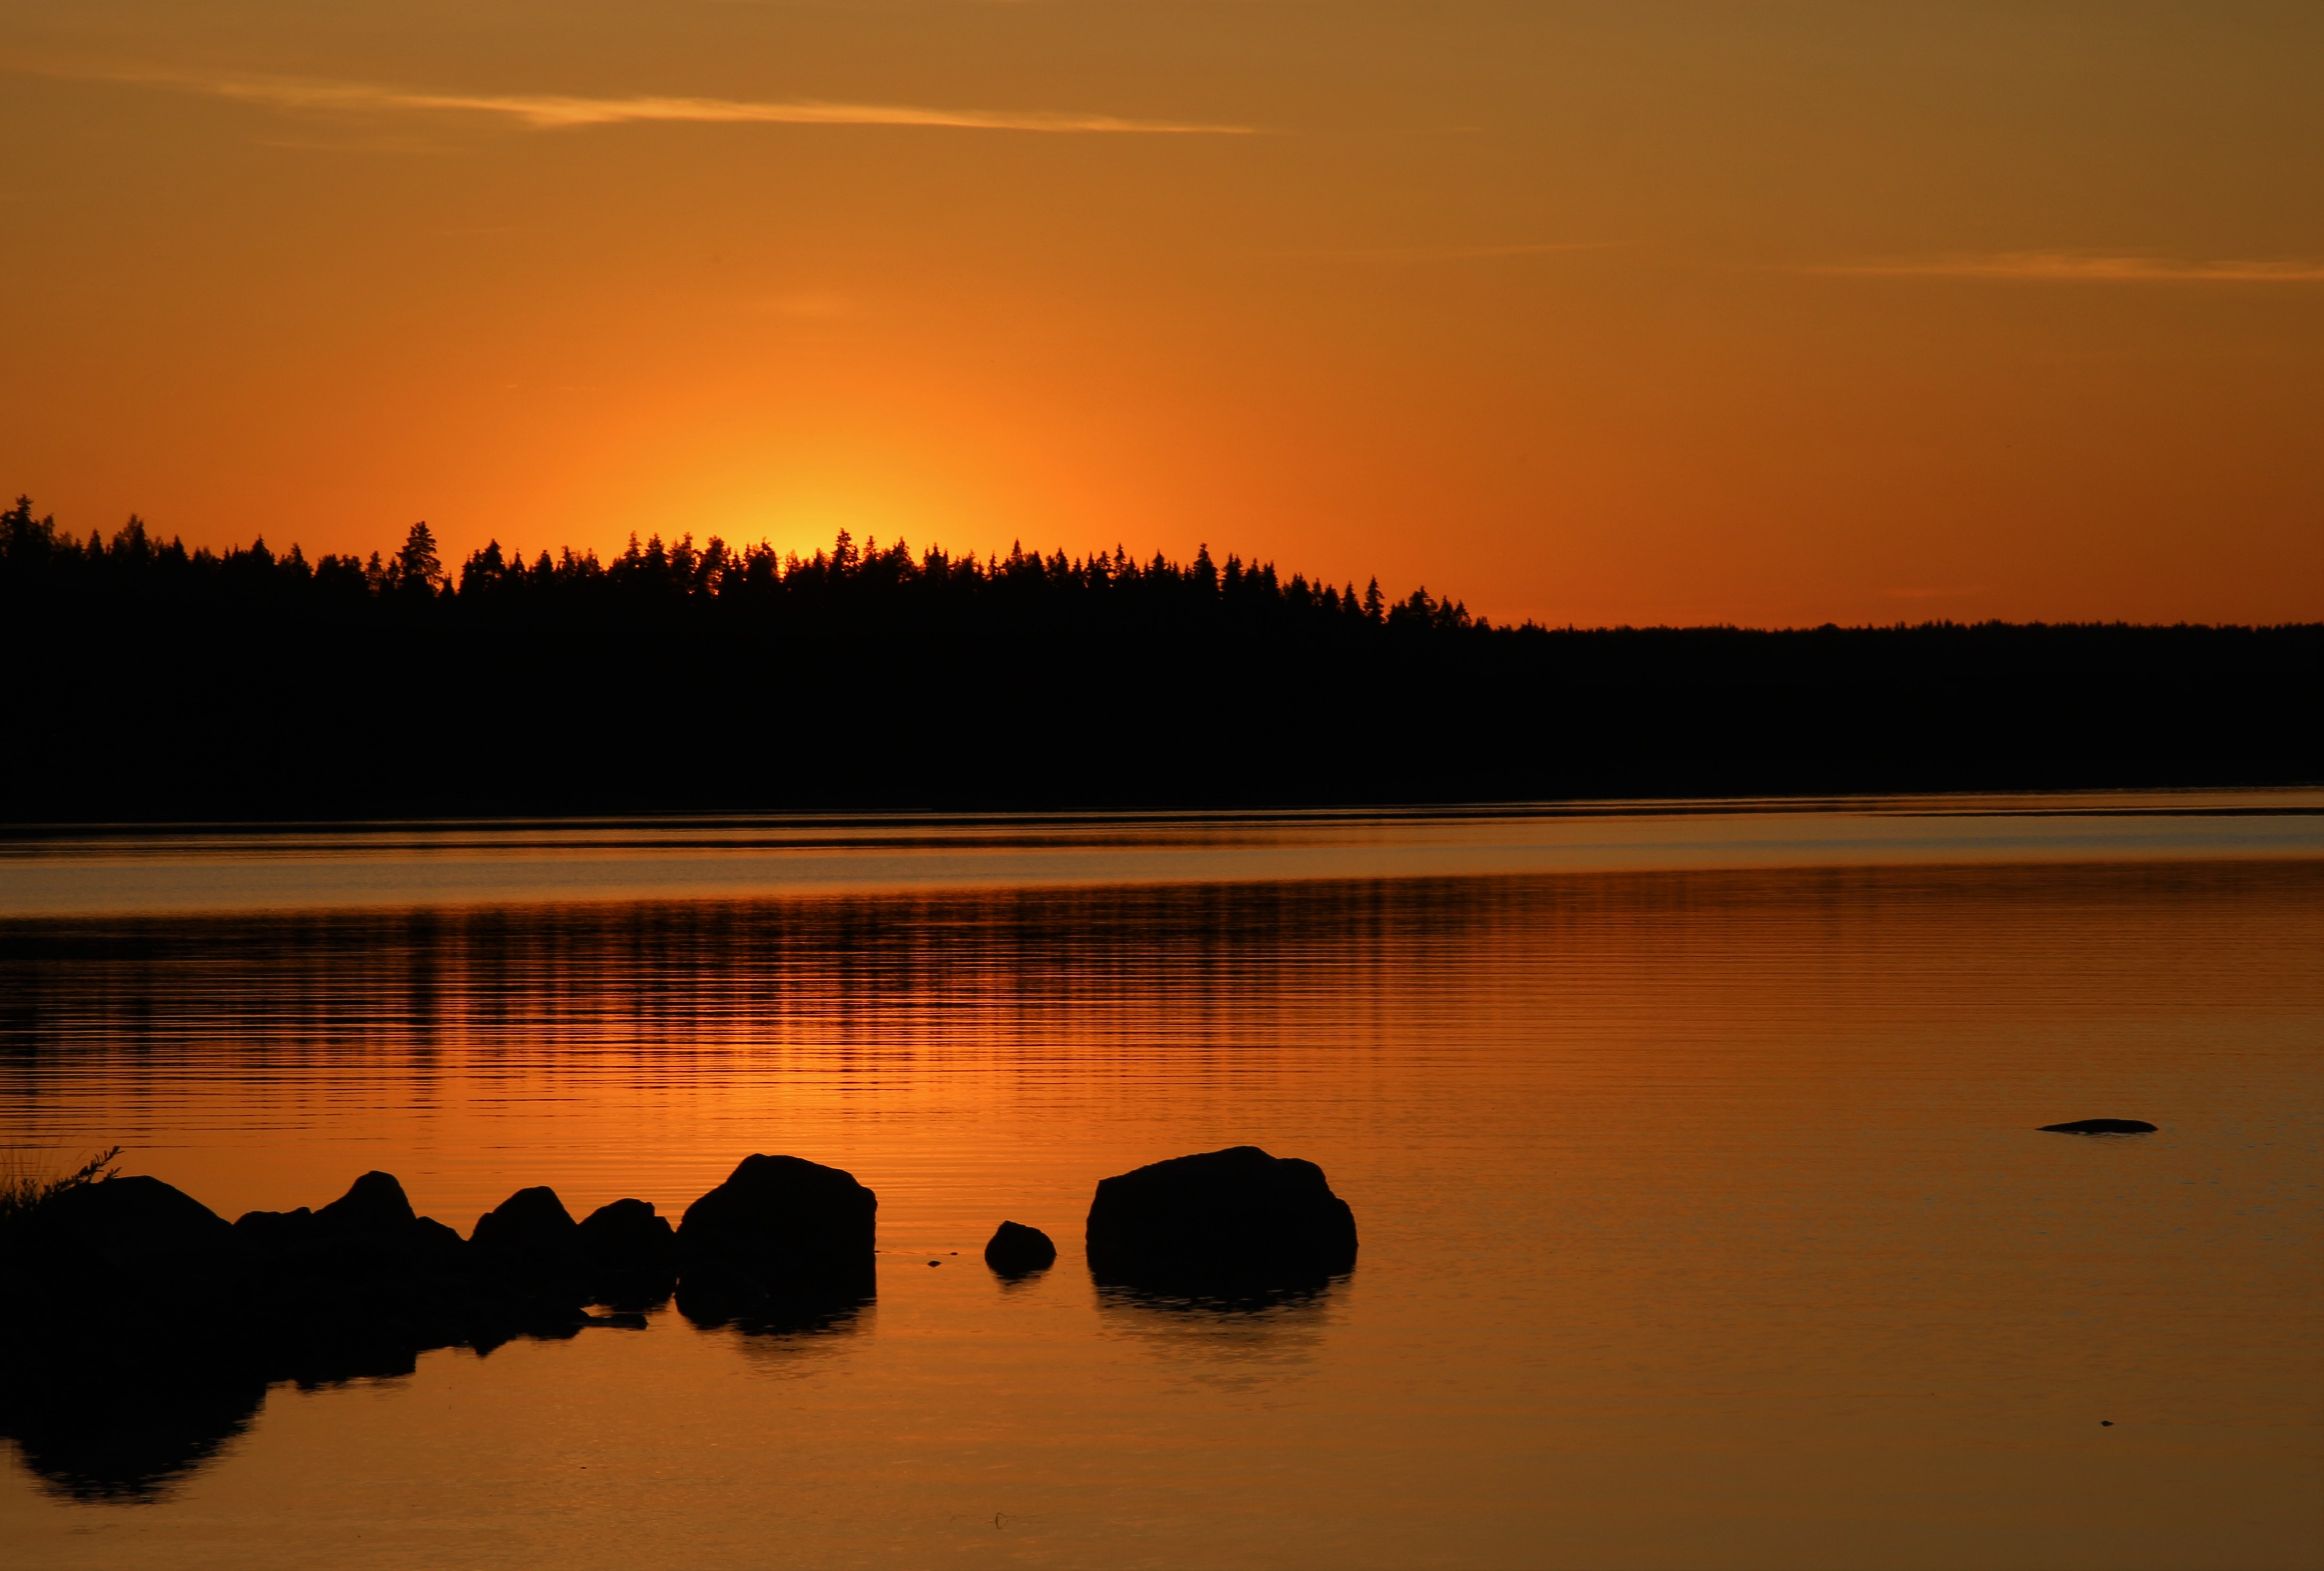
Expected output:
(781, 1217)
(631, 1254)
(529, 1235)
(626, 1239)
(1017, 1250)
(2100, 1127)
(374, 1203)
(1223, 1219)
(126, 1353)
(139, 1330)
(367, 1239)
(136, 1327)
(277, 1232)
(354, 1247)
(127, 1224)
(433, 1246)
(782, 1242)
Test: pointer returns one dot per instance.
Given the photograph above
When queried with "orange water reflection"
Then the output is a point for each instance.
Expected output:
(1704, 1219)
(79, 870)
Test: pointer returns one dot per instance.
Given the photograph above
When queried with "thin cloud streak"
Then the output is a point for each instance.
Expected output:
(2068, 267)
(558, 112)
(1445, 253)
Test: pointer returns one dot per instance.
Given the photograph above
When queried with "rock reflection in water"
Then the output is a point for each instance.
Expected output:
(797, 1350)
(109, 1423)
(106, 1429)
(708, 1310)
(1237, 1340)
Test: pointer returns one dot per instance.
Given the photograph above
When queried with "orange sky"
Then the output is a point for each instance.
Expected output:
(1617, 312)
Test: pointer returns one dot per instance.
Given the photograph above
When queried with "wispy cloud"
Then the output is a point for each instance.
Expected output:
(2080, 267)
(1447, 252)
(554, 111)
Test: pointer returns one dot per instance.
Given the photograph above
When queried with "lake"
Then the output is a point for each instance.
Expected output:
(1705, 1220)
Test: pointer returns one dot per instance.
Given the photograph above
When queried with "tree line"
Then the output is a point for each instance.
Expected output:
(149, 680)
(848, 581)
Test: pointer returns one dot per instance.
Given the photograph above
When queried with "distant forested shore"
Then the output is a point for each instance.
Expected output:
(151, 682)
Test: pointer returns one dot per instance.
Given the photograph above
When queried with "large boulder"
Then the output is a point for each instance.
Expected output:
(128, 1360)
(120, 1273)
(122, 1224)
(1017, 1250)
(779, 1226)
(1223, 1220)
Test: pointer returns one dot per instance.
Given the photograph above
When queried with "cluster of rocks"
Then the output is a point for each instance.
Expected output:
(130, 1295)
(780, 1233)
(362, 1285)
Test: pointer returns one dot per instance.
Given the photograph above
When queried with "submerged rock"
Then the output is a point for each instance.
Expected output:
(1223, 1219)
(2099, 1127)
(1017, 1250)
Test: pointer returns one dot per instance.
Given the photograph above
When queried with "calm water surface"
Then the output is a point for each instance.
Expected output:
(1704, 1220)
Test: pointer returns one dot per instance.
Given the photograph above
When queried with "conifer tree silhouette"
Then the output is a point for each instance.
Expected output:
(417, 565)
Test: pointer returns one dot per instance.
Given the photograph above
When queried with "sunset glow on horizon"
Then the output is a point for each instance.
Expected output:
(1595, 313)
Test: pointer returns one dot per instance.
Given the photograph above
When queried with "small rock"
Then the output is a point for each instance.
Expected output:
(2100, 1127)
(1017, 1250)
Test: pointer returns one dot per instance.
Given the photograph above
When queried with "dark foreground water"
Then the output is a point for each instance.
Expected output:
(1704, 1220)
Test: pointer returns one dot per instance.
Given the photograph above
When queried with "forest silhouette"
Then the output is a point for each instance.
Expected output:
(151, 681)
